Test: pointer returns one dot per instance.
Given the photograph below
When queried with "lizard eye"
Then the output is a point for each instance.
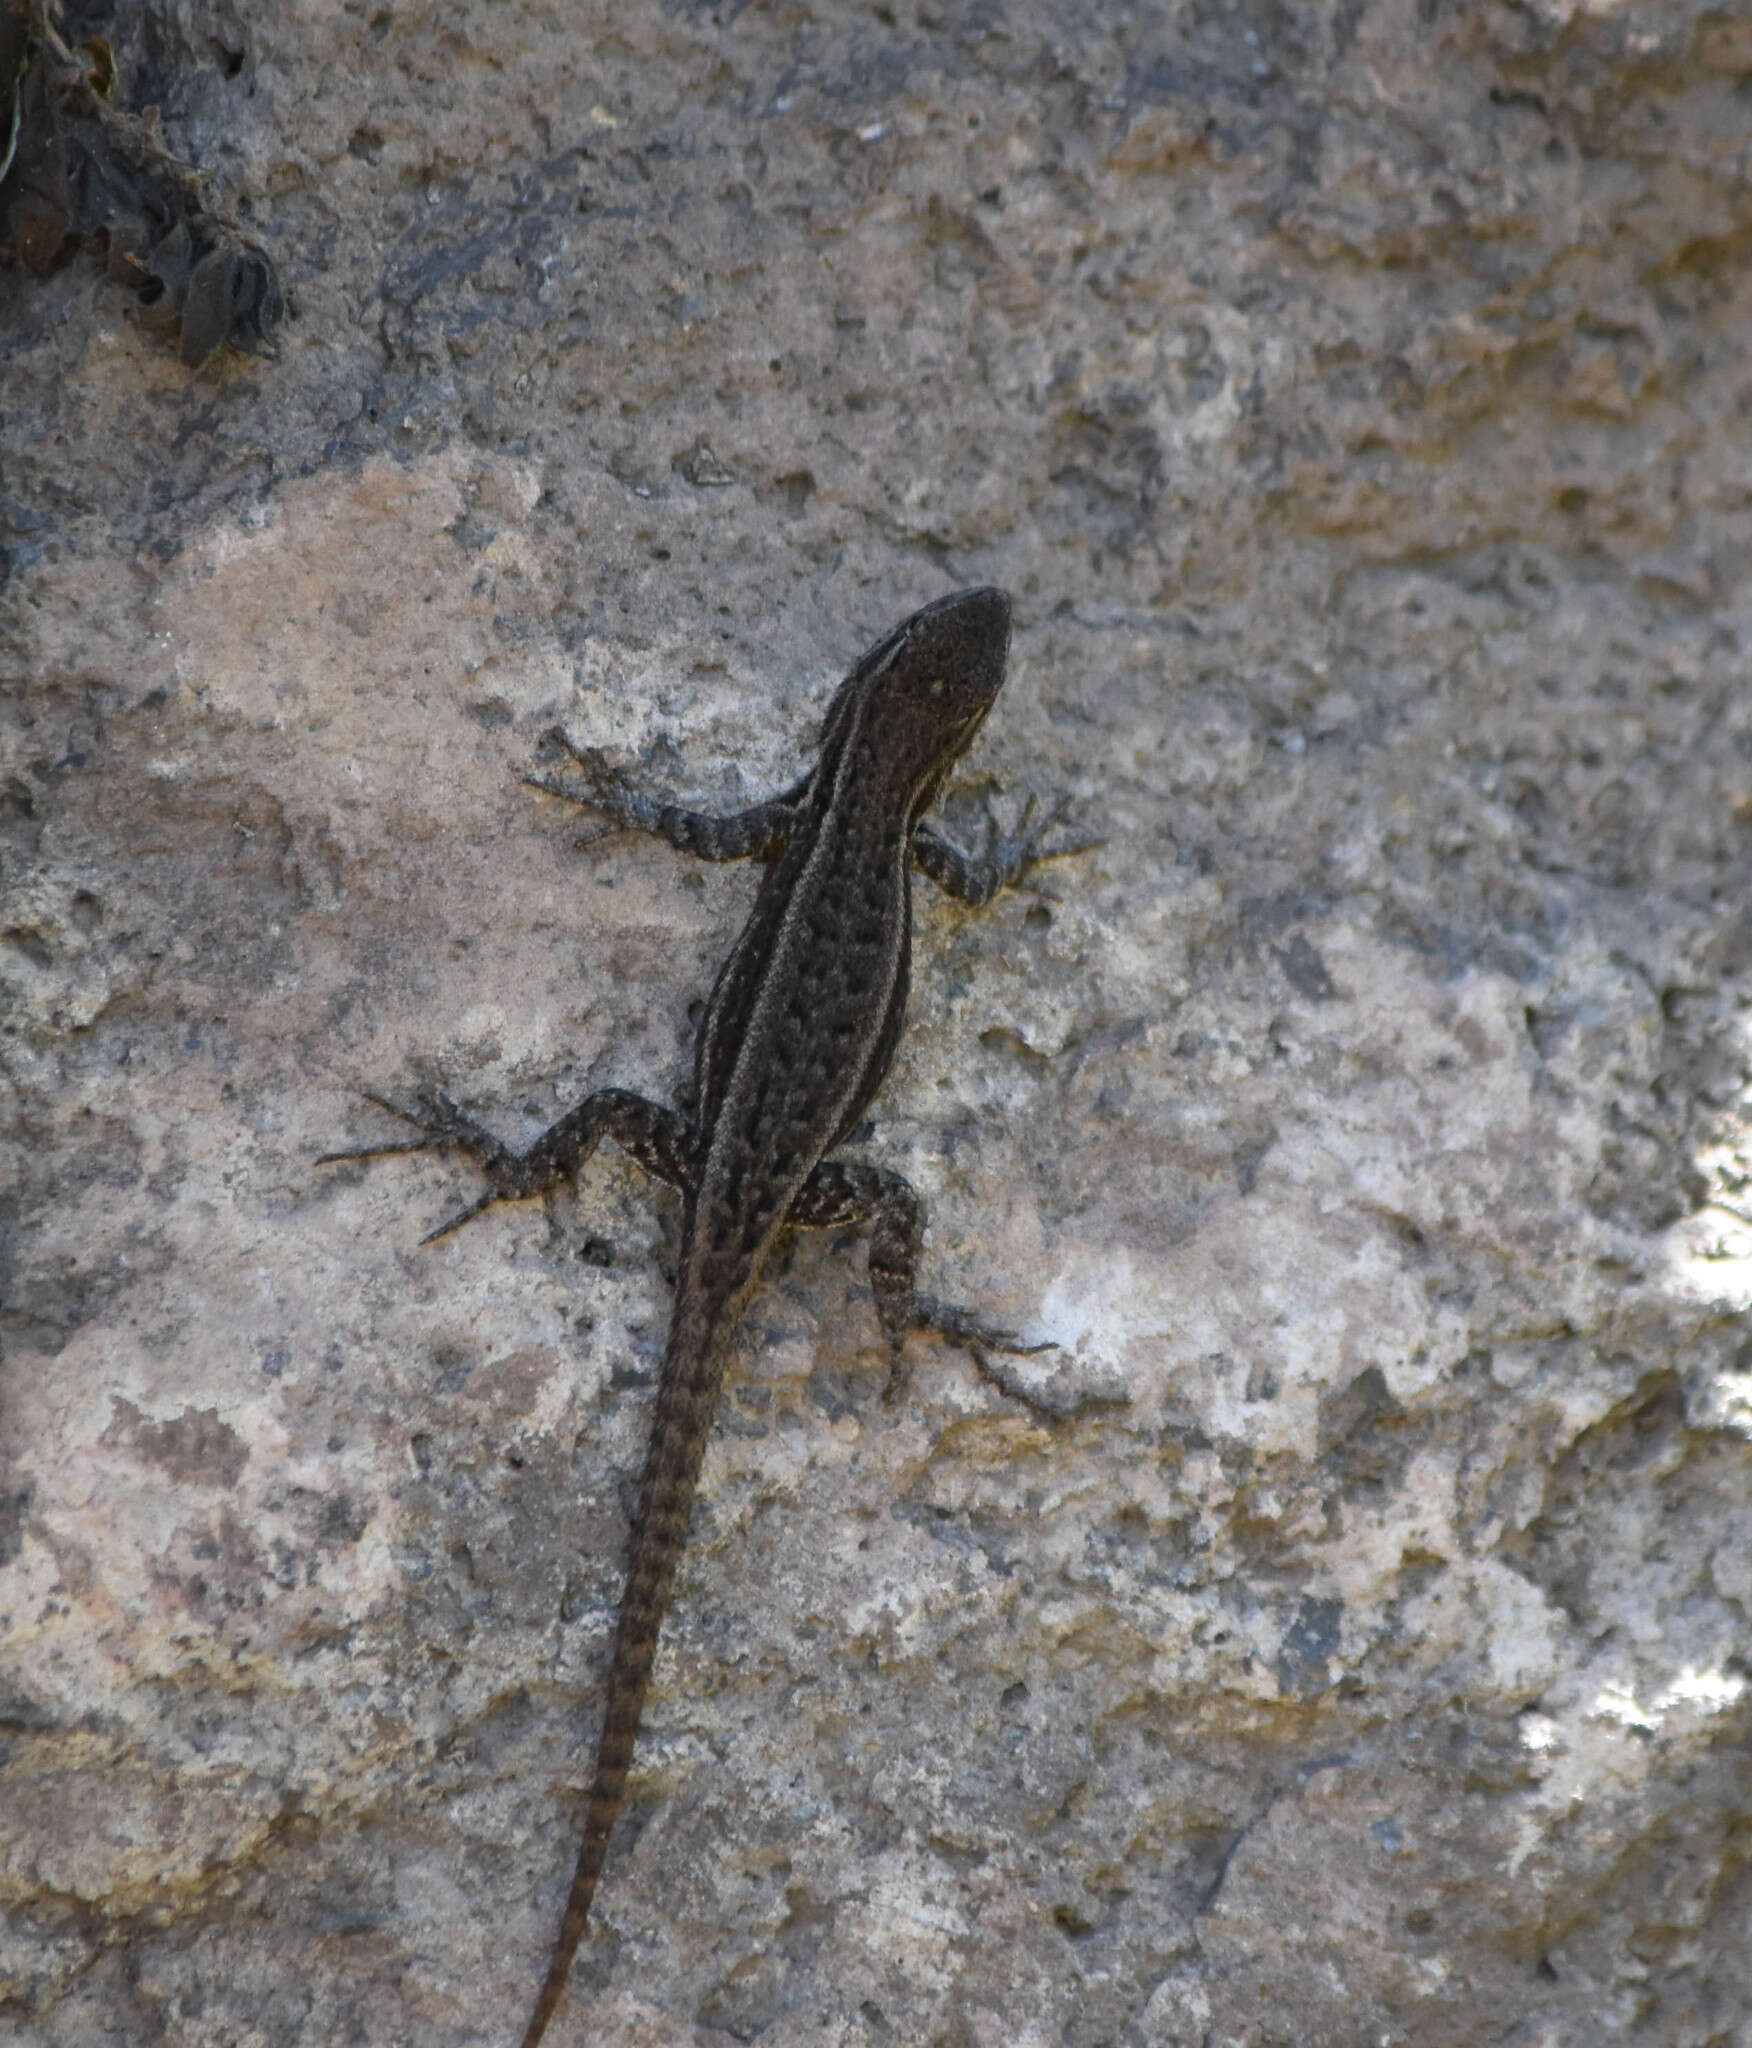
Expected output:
(936, 686)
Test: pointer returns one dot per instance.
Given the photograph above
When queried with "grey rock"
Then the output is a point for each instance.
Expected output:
(1352, 401)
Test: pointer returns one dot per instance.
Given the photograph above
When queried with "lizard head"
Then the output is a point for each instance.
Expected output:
(923, 690)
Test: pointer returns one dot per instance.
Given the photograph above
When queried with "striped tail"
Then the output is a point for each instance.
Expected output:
(686, 1401)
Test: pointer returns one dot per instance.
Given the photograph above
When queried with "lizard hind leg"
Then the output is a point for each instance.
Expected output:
(840, 1191)
(664, 1143)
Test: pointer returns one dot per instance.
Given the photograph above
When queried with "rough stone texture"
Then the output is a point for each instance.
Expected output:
(1356, 401)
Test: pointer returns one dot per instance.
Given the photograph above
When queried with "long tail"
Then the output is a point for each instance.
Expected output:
(686, 1400)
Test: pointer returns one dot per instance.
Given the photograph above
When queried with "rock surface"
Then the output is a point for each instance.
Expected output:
(1355, 401)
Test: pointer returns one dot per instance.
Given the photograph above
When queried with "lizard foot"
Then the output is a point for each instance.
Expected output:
(1057, 1398)
(442, 1124)
(1014, 853)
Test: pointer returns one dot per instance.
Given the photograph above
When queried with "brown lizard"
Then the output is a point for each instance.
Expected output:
(800, 1030)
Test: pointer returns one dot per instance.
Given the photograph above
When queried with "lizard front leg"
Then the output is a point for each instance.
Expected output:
(1006, 858)
(664, 1143)
(757, 832)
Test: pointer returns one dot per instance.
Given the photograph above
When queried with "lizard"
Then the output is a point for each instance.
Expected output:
(800, 1029)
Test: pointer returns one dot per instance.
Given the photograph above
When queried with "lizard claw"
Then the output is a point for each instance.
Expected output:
(1009, 855)
(1053, 1400)
(558, 737)
(551, 787)
(422, 1121)
(962, 1326)
(462, 1216)
(603, 790)
(1029, 840)
(555, 741)
(441, 1123)
(1056, 1398)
